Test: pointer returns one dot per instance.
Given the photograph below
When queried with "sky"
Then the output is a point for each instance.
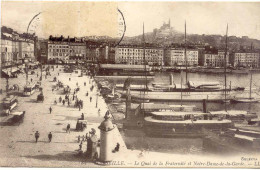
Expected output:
(101, 18)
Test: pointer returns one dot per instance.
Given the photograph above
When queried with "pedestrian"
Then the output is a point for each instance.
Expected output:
(68, 128)
(84, 83)
(86, 136)
(69, 79)
(78, 138)
(63, 101)
(79, 107)
(77, 84)
(60, 99)
(37, 135)
(73, 97)
(82, 116)
(87, 94)
(50, 137)
(99, 112)
(31, 79)
(58, 74)
(68, 102)
(83, 138)
(80, 145)
(55, 102)
(52, 90)
(50, 110)
(90, 98)
(82, 104)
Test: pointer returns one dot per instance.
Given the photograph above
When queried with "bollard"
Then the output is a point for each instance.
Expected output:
(106, 139)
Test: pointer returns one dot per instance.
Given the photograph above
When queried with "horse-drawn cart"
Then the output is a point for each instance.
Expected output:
(40, 98)
(81, 125)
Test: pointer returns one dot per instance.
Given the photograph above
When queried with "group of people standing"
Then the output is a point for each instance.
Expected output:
(37, 136)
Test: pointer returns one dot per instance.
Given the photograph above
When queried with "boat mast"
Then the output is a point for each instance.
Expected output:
(185, 54)
(250, 94)
(144, 60)
(144, 67)
(225, 67)
(181, 87)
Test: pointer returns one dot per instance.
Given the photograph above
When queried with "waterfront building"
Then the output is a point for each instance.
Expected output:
(77, 49)
(43, 51)
(176, 57)
(245, 58)
(215, 58)
(26, 50)
(6, 52)
(134, 55)
(111, 55)
(58, 51)
(15, 49)
(104, 52)
(92, 53)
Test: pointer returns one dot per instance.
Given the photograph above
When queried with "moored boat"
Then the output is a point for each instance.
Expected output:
(181, 124)
(236, 116)
(245, 100)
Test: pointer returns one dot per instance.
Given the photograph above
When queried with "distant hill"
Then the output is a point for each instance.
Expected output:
(166, 35)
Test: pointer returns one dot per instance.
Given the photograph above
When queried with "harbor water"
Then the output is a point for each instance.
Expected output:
(136, 139)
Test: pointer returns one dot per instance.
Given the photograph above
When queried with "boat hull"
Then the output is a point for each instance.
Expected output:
(245, 101)
(124, 77)
(216, 96)
(186, 128)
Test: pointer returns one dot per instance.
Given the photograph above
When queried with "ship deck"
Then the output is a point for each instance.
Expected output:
(152, 120)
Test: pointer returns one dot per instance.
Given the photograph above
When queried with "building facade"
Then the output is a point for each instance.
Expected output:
(6, 52)
(26, 51)
(176, 57)
(58, 51)
(43, 51)
(16, 50)
(77, 51)
(247, 59)
(135, 55)
(216, 59)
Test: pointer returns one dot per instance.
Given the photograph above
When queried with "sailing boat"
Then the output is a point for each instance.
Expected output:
(192, 91)
(225, 69)
(142, 99)
(247, 100)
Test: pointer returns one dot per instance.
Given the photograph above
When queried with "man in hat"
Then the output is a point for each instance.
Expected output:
(68, 128)
(50, 137)
(37, 135)
(51, 109)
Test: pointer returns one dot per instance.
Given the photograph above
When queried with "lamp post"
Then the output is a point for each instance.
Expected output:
(97, 99)
(41, 73)
(26, 72)
(7, 84)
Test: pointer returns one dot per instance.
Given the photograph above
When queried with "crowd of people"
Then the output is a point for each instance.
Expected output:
(70, 98)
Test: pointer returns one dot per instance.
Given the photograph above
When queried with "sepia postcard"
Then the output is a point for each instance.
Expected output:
(161, 84)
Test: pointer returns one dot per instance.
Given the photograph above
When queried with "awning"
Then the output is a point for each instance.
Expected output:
(5, 71)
